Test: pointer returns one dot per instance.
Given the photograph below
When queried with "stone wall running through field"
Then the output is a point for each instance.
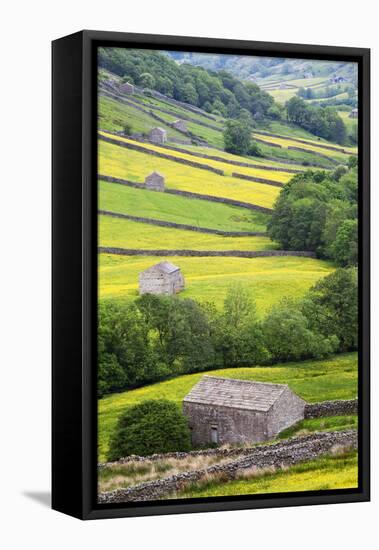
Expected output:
(188, 194)
(277, 455)
(187, 227)
(204, 253)
(146, 150)
(331, 408)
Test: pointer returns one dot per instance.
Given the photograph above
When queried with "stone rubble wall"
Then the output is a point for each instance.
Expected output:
(277, 455)
(331, 408)
(183, 226)
(257, 180)
(203, 253)
(189, 194)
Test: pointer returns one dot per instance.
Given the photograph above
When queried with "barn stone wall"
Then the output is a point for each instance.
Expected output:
(156, 282)
(285, 412)
(233, 425)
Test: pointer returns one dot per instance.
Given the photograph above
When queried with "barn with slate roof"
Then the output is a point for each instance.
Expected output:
(163, 278)
(223, 410)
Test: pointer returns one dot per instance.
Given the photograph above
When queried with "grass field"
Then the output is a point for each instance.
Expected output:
(161, 206)
(311, 146)
(208, 279)
(135, 166)
(305, 158)
(179, 111)
(334, 378)
(328, 472)
(123, 233)
(114, 115)
(275, 175)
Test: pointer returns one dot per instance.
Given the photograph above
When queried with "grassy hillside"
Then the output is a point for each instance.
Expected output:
(160, 206)
(334, 378)
(122, 233)
(310, 146)
(135, 166)
(228, 169)
(114, 115)
(208, 279)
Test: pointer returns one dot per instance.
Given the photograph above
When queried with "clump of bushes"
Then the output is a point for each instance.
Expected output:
(158, 337)
(154, 426)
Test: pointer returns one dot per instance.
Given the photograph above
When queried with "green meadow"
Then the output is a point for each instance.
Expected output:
(334, 378)
(209, 278)
(123, 233)
(173, 208)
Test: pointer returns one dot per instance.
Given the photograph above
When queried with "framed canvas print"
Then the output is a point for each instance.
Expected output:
(210, 274)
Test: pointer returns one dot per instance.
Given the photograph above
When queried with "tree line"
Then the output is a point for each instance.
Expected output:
(318, 211)
(216, 92)
(323, 122)
(157, 337)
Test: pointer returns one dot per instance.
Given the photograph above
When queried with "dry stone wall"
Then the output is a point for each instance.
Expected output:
(187, 227)
(140, 148)
(317, 153)
(298, 140)
(331, 408)
(189, 194)
(203, 253)
(257, 180)
(286, 453)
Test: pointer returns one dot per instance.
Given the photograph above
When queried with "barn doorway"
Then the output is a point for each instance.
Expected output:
(214, 435)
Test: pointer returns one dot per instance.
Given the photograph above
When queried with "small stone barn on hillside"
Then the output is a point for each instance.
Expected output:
(180, 125)
(127, 88)
(158, 135)
(223, 410)
(154, 181)
(163, 278)
(353, 113)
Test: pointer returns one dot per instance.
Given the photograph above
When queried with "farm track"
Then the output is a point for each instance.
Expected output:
(187, 227)
(189, 194)
(203, 253)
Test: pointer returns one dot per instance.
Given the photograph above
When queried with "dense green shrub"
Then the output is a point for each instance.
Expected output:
(237, 137)
(317, 211)
(154, 426)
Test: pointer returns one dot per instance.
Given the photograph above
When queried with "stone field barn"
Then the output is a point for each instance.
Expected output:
(158, 135)
(155, 181)
(127, 88)
(163, 278)
(223, 410)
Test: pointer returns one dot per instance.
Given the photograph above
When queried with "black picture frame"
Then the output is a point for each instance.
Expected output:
(74, 272)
